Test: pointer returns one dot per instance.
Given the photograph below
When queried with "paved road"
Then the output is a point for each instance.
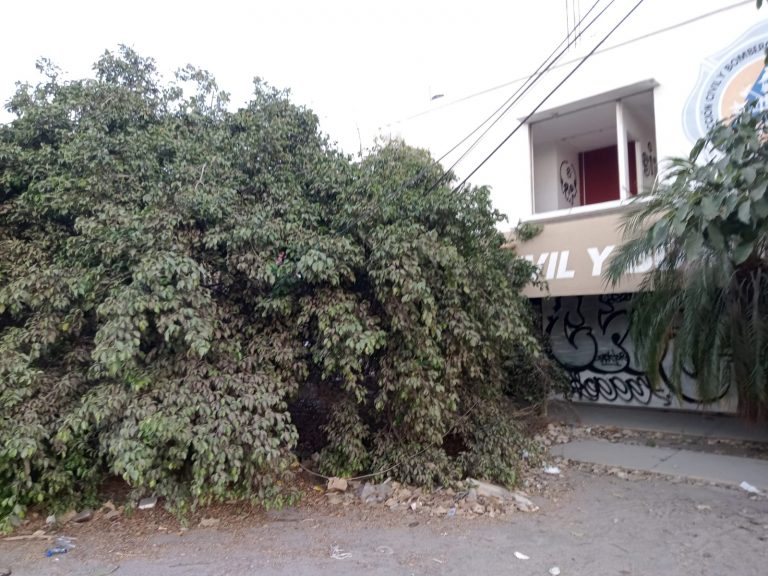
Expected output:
(600, 525)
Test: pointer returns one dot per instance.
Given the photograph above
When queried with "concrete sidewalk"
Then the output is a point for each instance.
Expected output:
(707, 425)
(685, 463)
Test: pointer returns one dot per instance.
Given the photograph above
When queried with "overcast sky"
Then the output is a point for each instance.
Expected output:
(364, 67)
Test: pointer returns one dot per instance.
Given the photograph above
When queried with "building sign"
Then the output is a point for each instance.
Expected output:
(727, 81)
(572, 255)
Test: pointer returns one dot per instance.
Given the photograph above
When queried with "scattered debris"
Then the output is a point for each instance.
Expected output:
(147, 503)
(50, 520)
(702, 507)
(521, 556)
(66, 517)
(339, 554)
(63, 545)
(209, 522)
(337, 485)
(83, 516)
(523, 503)
(488, 490)
(38, 535)
(334, 498)
(749, 488)
(437, 560)
(469, 498)
(554, 470)
(376, 493)
(555, 571)
(386, 550)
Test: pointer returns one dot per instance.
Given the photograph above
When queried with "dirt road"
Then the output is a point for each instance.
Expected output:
(599, 525)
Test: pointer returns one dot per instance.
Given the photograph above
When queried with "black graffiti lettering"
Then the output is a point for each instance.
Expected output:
(616, 388)
(590, 340)
(649, 161)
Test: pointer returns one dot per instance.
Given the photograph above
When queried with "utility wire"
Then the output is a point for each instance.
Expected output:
(549, 95)
(519, 93)
(522, 86)
(645, 36)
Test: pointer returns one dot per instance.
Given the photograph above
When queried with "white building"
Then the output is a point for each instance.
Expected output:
(594, 148)
(645, 95)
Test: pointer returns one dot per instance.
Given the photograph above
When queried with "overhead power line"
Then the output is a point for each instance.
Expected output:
(510, 102)
(513, 81)
(549, 95)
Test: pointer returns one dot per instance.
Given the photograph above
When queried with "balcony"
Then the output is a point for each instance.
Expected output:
(594, 154)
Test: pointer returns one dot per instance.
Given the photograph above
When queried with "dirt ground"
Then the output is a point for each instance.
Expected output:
(589, 524)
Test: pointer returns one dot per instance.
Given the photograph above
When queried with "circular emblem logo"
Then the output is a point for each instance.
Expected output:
(728, 81)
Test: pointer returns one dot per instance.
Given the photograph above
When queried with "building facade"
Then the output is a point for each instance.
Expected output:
(593, 146)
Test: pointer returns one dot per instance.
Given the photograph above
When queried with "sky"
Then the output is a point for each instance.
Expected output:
(367, 69)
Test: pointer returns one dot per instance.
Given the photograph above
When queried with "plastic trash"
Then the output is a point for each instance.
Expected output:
(555, 571)
(749, 488)
(339, 554)
(63, 545)
(452, 511)
(521, 556)
(551, 470)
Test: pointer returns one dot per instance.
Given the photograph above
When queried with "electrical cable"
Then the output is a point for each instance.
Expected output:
(549, 95)
(518, 94)
(522, 86)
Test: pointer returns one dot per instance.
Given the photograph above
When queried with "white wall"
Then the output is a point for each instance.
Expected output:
(643, 132)
(546, 176)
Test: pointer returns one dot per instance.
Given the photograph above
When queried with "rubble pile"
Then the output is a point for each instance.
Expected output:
(468, 498)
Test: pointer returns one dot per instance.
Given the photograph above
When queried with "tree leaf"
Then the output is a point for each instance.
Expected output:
(709, 207)
(744, 211)
(742, 252)
(758, 191)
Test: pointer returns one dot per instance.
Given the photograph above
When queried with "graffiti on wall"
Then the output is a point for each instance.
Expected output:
(568, 182)
(650, 166)
(590, 340)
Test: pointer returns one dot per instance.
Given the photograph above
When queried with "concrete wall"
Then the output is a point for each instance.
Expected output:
(551, 183)
(642, 131)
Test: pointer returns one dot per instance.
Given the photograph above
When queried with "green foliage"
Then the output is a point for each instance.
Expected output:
(173, 273)
(706, 226)
(527, 231)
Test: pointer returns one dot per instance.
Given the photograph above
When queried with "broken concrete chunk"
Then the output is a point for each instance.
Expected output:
(66, 517)
(147, 503)
(83, 516)
(209, 522)
(376, 493)
(334, 498)
(337, 485)
(488, 490)
(523, 503)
